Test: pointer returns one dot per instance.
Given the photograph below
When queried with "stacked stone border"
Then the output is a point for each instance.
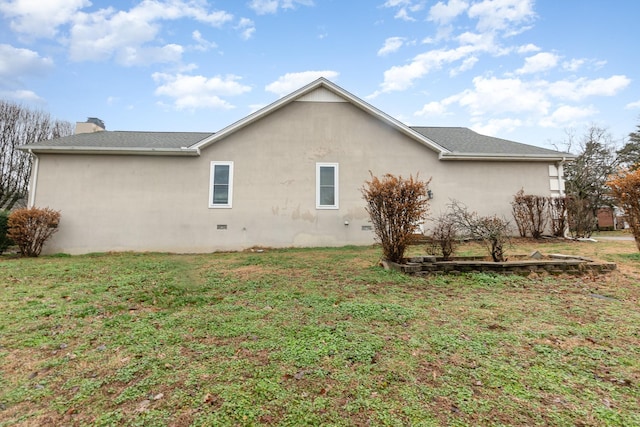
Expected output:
(521, 265)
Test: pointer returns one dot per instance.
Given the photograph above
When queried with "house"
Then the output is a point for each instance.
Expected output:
(287, 175)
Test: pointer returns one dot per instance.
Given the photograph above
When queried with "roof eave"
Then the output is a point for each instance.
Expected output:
(137, 151)
(560, 157)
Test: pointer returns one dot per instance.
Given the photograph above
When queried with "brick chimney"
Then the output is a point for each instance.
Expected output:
(93, 124)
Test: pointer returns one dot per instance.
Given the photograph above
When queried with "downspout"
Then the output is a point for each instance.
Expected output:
(561, 163)
(34, 180)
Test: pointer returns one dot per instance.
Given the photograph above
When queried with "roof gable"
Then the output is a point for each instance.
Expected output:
(320, 90)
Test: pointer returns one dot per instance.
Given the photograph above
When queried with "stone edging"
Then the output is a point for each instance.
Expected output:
(523, 266)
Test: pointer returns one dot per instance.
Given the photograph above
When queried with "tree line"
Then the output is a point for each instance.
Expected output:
(20, 125)
(588, 177)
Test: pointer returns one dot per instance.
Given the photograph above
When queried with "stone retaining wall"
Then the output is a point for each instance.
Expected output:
(522, 265)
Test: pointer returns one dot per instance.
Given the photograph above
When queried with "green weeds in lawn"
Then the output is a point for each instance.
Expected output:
(314, 337)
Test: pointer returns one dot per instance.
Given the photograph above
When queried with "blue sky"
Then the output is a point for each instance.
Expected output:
(518, 69)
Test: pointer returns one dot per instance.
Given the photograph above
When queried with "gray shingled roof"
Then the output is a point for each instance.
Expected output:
(126, 139)
(465, 141)
(457, 140)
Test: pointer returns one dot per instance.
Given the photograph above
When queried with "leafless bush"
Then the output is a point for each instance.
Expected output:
(557, 210)
(444, 235)
(31, 228)
(582, 220)
(492, 230)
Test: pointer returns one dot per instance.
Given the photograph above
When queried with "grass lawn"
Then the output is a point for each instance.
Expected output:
(316, 337)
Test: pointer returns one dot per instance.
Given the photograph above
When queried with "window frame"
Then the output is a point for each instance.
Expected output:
(212, 184)
(336, 192)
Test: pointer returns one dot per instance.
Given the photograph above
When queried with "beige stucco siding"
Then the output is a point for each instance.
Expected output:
(151, 203)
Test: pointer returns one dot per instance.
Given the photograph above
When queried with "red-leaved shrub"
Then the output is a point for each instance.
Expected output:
(30, 228)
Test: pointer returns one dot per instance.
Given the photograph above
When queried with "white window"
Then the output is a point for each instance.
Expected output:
(221, 185)
(326, 186)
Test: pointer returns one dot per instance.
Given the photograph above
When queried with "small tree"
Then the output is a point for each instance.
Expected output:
(492, 230)
(396, 206)
(31, 228)
(585, 180)
(625, 188)
(629, 155)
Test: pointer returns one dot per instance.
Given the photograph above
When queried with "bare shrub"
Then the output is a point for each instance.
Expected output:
(519, 213)
(557, 211)
(530, 212)
(31, 228)
(492, 230)
(582, 220)
(444, 236)
(396, 206)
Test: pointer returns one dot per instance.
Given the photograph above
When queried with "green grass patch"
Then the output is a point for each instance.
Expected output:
(315, 337)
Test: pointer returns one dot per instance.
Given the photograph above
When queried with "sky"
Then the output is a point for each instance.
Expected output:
(525, 70)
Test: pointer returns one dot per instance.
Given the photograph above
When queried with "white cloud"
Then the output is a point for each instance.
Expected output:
(193, 92)
(16, 63)
(292, 81)
(445, 13)
(265, 7)
(632, 105)
(492, 96)
(581, 88)
(401, 77)
(130, 36)
(246, 27)
(130, 56)
(22, 95)
(391, 44)
(573, 65)
(497, 104)
(497, 126)
(502, 15)
(40, 18)
(202, 44)
(539, 62)
(433, 108)
(466, 65)
(567, 115)
(507, 15)
(405, 8)
(528, 48)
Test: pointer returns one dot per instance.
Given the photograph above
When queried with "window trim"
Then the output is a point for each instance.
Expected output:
(229, 203)
(336, 186)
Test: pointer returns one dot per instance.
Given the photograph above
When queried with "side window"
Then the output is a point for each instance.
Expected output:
(327, 186)
(221, 185)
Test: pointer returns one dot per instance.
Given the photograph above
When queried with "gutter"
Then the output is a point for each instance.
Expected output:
(502, 157)
(184, 151)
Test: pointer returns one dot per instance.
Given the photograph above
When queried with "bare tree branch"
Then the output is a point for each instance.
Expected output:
(22, 126)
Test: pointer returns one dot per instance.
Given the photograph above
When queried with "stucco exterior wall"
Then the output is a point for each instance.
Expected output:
(152, 203)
